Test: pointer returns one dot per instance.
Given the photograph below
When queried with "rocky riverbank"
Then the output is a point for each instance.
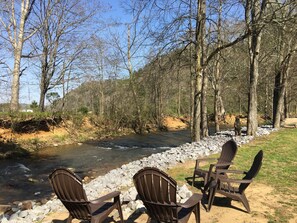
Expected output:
(121, 178)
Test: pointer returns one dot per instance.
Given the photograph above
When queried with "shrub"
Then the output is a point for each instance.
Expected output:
(83, 110)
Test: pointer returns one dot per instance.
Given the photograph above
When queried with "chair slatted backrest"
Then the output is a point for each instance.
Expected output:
(157, 190)
(69, 189)
(229, 150)
(253, 171)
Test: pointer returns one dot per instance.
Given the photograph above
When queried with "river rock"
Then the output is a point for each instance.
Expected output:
(184, 192)
(23, 214)
(26, 205)
(4, 219)
(14, 216)
(4, 208)
(129, 195)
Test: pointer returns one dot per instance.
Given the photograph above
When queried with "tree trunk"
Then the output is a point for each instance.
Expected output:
(276, 95)
(138, 128)
(44, 74)
(42, 99)
(266, 115)
(216, 112)
(179, 90)
(196, 134)
(192, 79)
(217, 75)
(219, 109)
(254, 10)
(286, 106)
(204, 119)
(199, 35)
(252, 122)
(280, 105)
(278, 79)
(18, 48)
(284, 70)
(15, 87)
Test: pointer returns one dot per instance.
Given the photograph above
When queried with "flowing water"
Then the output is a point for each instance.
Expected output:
(27, 178)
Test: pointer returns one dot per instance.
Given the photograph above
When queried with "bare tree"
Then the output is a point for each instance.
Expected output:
(254, 13)
(14, 20)
(285, 22)
(58, 44)
(199, 69)
(217, 74)
(136, 36)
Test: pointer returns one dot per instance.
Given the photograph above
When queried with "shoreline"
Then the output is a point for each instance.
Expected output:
(120, 178)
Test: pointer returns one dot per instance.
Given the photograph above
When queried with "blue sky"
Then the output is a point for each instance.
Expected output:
(29, 89)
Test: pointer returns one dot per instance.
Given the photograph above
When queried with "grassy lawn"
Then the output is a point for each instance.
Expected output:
(279, 169)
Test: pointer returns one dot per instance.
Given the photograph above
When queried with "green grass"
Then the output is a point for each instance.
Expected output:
(279, 169)
(280, 159)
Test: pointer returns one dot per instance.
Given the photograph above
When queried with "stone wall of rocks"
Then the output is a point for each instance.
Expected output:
(122, 177)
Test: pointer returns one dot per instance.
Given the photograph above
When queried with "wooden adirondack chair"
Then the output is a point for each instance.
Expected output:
(69, 189)
(229, 150)
(157, 190)
(235, 188)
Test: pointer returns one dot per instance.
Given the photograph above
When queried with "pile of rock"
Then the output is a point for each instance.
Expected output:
(122, 177)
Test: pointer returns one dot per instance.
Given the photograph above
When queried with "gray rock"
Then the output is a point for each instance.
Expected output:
(184, 192)
(14, 216)
(23, 214)
(3, 219)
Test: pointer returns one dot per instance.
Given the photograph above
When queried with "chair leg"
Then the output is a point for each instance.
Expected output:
(211, 196)
(120, 211)
(197, 213)
(69, 219)
(193, 180)
(245, 202)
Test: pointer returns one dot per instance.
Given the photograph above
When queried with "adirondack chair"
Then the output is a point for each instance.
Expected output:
(235, 188)
(229, 150)
(157, 190)
(69, 189)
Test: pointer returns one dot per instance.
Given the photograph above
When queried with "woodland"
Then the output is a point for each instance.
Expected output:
(193, 58)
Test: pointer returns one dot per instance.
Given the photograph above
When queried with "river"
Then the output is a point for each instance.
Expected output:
(27, 178)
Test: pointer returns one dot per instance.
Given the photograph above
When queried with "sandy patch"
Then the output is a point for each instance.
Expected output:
(173, 123)
(8, 135)
(290, 122)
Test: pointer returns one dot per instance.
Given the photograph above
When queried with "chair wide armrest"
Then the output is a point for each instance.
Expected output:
(231, 171)
(223, 164)
(192, 201)
(106, 197)
(239, 181)
(206, 159)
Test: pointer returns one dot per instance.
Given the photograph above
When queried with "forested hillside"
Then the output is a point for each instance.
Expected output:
(163, 87)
